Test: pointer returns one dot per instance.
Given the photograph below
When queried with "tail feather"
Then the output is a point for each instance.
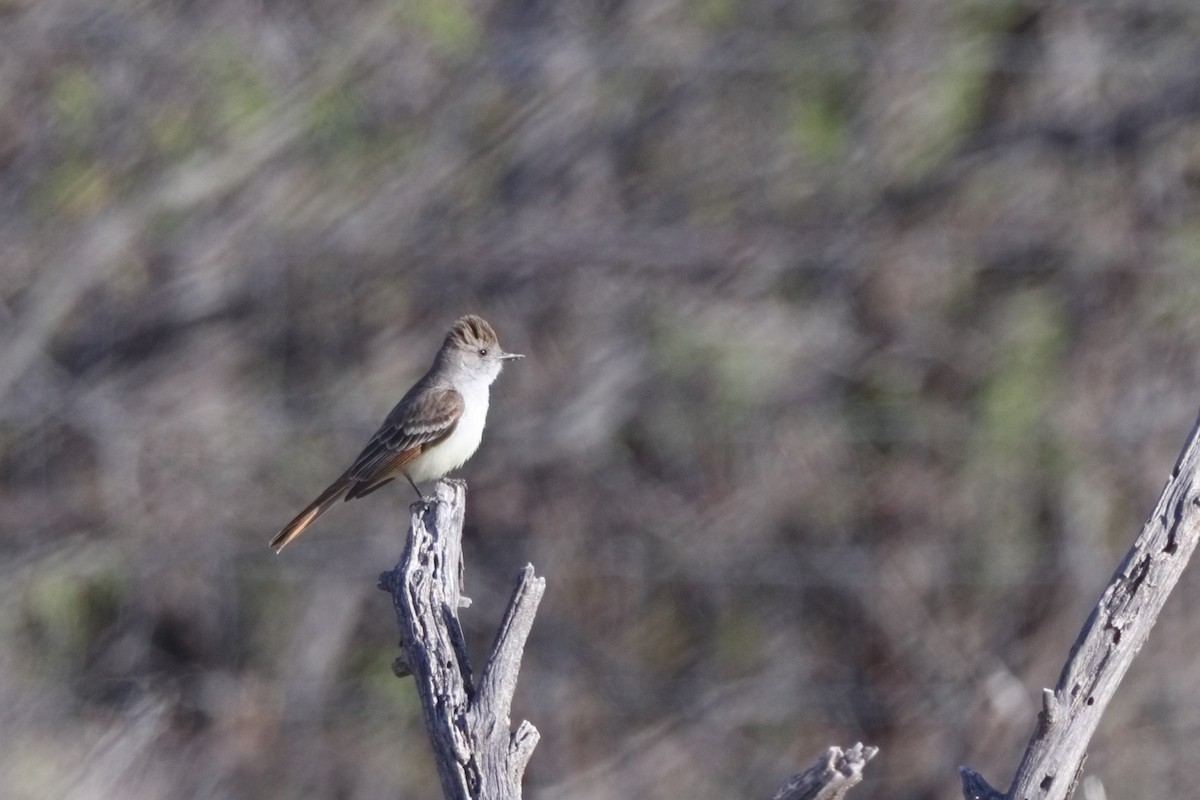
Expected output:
(315, 509)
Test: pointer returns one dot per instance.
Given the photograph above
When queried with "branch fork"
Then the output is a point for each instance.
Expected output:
(478, 756)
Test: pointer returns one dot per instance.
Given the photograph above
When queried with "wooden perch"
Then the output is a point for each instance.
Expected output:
(478, 756)
(830, 777)
(1111, 637)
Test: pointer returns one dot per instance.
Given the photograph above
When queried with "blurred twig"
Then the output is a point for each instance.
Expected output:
(1112, 636)
(477, 754)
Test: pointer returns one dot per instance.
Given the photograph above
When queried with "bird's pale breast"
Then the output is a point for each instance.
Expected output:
(451, 452)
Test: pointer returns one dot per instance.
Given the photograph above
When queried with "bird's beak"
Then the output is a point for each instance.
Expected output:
(511, 356)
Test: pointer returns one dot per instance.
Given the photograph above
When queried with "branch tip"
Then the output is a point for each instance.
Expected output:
(974, 786)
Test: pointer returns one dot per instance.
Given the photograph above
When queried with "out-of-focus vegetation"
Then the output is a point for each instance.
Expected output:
(861, 338)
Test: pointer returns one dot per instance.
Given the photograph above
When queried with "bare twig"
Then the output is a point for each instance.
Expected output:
(830, 776)
(477, 754)
(1112, 636)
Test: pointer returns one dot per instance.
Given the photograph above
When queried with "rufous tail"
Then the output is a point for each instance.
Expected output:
(315, 509)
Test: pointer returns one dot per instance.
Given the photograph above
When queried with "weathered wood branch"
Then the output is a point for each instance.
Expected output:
(478, 756)
(1111, 637)
(830, 776)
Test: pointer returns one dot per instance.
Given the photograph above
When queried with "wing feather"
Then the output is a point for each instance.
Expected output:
(419, 421)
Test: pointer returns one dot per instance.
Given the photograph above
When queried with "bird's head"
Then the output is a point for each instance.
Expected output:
(472, 343)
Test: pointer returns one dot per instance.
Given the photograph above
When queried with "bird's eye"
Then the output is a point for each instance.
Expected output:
(483, 352)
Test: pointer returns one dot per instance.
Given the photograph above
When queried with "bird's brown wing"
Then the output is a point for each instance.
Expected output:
(420, 420)
(415, 424)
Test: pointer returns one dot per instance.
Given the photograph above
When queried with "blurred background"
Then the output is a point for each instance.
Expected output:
(861, 338)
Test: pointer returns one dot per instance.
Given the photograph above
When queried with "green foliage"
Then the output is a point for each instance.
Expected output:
(173, 130)
(741, 639)
(65, 611)
(1014, 457)
(733, 371)
(817, 125)
(351, 146)
(77, 103)
(994, 16)
(238, 93)
(713, 14)
(337, 130)
(932, 124)
(1019, 395)
(1182, 246)
(447, 24)
(75, 187)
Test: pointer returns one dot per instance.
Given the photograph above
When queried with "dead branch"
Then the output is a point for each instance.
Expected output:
(478, 756)
(830, 776)
(1111, 637)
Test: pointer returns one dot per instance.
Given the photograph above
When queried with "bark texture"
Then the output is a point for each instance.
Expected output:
(478, 756)
(1111, 637)
(830, 777)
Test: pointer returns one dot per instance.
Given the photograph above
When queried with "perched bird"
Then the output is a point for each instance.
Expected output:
(434, 428)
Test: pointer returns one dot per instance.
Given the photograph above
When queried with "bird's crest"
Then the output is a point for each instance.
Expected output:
(472, 332)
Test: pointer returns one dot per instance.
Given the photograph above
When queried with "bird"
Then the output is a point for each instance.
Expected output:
(434, 429)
